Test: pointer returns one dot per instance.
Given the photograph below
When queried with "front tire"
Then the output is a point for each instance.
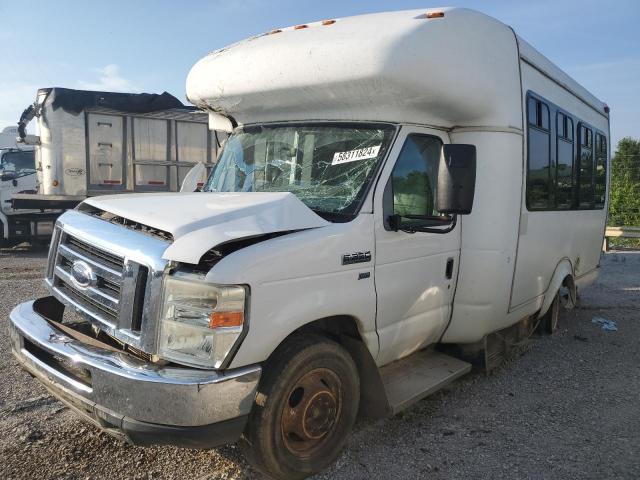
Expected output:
(306, 405)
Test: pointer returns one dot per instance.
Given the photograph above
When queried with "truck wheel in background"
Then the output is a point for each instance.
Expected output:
(549, 322)
(306, 405)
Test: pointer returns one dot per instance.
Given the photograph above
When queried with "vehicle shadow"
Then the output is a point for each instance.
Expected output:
(26, 250)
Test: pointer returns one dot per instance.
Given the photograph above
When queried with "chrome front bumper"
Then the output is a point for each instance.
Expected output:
(127, 397)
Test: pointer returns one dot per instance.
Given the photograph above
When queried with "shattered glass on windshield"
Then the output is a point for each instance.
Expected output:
(327, 166)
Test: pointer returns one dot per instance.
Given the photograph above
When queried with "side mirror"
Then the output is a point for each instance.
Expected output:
(6, 176)
(456, 179)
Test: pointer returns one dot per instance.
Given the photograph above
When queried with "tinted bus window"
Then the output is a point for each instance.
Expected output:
(585, 174)
(538, 155)
(564, 163)
(600, 171)
(532, 111)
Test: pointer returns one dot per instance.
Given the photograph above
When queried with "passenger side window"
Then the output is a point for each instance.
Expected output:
(539, 161)
(414, 178)
(601, 171)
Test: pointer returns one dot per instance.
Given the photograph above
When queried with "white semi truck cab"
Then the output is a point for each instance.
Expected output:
(395, 186)
(18, 176)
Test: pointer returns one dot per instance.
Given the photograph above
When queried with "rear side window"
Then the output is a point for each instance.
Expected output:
(566, 159)
(600, 174)
(564, 162)
(585, 164)
(539, 158)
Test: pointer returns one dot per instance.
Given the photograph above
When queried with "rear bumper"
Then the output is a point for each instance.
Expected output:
(128, 398)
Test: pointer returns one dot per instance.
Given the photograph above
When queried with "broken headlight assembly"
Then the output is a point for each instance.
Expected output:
(200, 322)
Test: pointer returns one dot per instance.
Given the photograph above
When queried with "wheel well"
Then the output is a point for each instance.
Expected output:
(562, 278)
(333, 327)
(343, 329)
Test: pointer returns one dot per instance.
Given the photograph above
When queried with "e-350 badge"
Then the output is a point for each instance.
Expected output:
(358, 257)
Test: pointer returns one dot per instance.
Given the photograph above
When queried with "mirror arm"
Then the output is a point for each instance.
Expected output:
(395, 222)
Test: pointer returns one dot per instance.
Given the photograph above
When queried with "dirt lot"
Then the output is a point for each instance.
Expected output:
(568, 408)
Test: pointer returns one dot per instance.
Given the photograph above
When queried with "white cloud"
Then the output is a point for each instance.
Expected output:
(109, 80)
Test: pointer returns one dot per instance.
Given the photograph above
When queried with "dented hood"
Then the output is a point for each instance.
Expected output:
(201, 221)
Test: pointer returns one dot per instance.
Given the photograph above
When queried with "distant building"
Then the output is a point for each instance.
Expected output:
(8, 137)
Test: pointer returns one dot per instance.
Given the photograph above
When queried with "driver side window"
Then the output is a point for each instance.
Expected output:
(414, 178)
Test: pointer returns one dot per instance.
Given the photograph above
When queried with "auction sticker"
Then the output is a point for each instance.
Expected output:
(355, 155)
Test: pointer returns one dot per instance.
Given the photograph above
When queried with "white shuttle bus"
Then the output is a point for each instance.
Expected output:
(400, 193)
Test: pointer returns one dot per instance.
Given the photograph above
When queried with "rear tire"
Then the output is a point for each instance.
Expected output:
(306, 405)
(549, 321)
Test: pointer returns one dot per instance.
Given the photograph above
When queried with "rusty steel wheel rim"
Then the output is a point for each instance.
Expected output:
(310, 411)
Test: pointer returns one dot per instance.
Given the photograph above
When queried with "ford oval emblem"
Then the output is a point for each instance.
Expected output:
(82, 274)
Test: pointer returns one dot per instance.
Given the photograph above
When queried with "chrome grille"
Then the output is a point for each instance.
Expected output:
(102, 300)
(109, 259)
(125, 271)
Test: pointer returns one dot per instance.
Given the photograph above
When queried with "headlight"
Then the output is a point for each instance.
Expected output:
(200, 322)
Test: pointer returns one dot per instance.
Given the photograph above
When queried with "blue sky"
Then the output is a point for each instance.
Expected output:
(150, 46)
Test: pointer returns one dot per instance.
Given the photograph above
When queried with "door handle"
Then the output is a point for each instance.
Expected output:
(449, 269)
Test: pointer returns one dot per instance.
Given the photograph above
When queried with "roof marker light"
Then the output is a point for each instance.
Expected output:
(328, 22)
(300, 27)
(435, 14)
(277, 30)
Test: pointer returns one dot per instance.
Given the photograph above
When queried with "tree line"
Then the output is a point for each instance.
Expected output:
(624, 196)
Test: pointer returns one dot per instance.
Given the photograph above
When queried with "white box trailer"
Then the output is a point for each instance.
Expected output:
(98, 143)
(394, 186)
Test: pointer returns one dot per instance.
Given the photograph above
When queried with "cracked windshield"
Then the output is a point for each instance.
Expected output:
(326, 166)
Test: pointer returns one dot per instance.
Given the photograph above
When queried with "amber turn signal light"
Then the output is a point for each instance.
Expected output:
(226, 319)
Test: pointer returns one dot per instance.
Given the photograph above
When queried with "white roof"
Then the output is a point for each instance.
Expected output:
(458, 70)
(547, 67)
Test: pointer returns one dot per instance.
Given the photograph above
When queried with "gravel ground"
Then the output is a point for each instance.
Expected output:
(567, 408)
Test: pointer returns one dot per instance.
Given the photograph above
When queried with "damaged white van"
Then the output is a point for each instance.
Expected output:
(399, 191)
